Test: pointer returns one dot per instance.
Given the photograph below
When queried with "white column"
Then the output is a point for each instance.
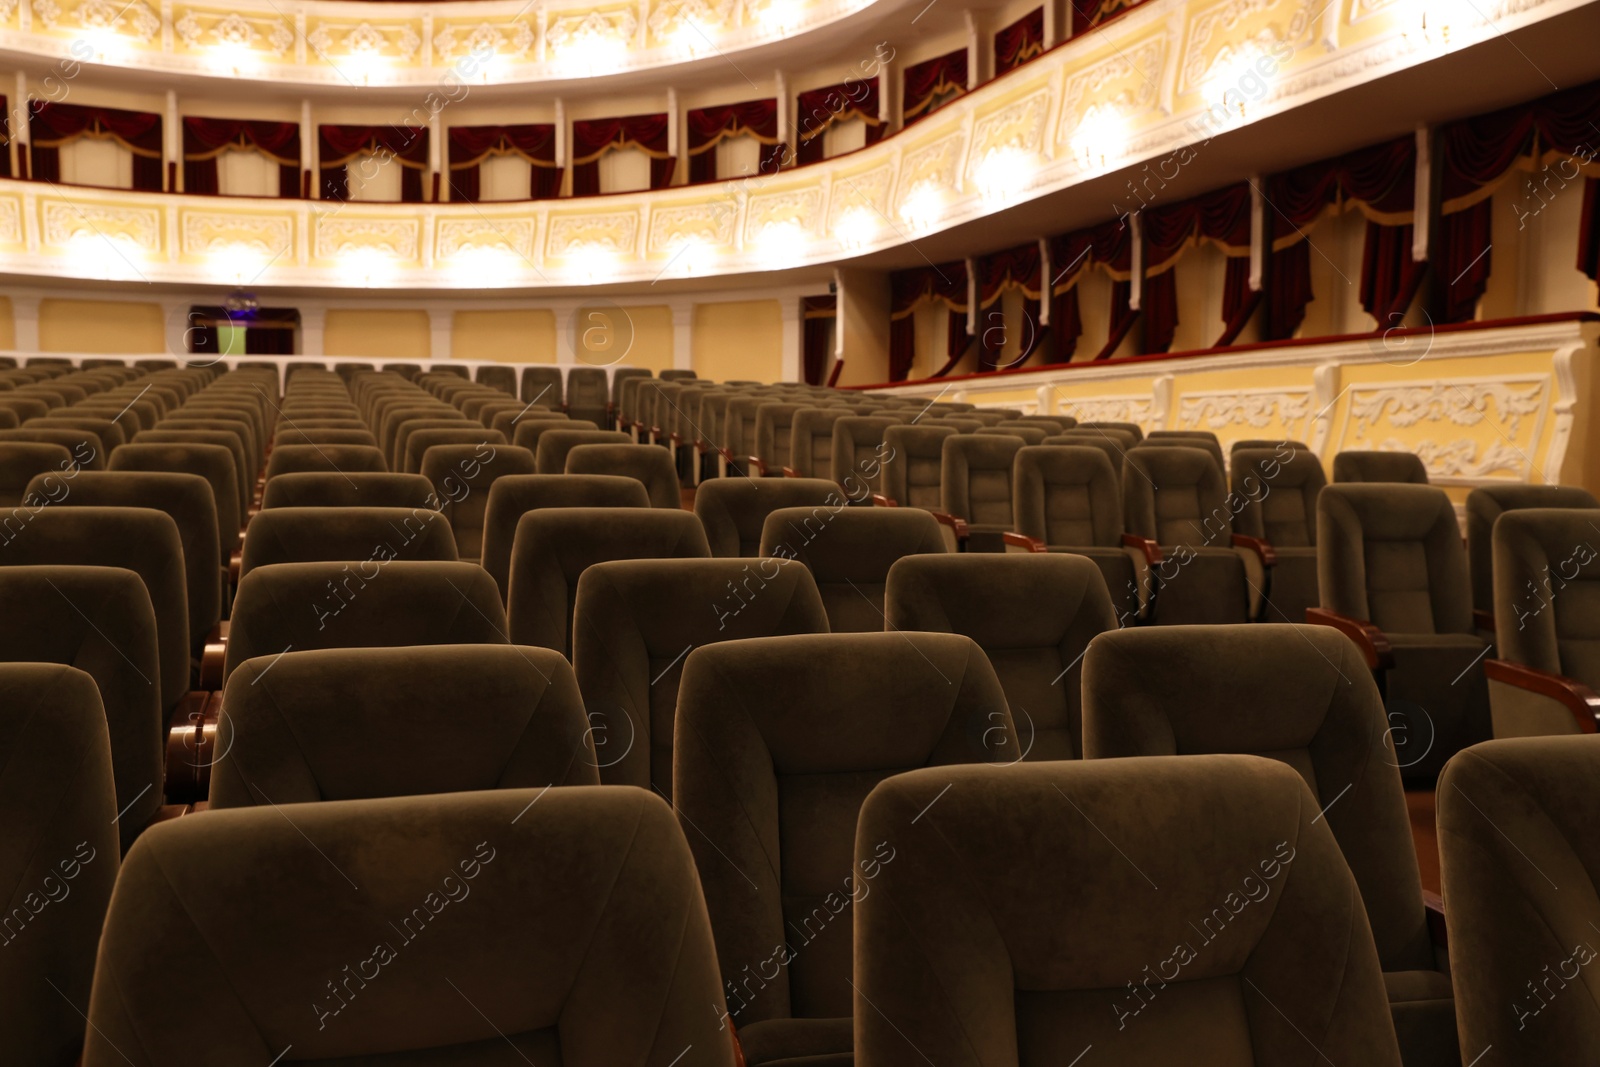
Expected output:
(171, 146)
(890, 95)
(175, 316)
(972, 295)
(975, 50)
(440, 323)
(311, 323)
(25, 322)
(562, 150)
(1046, 275)
(436, 154)
(1258, 233)
(308, 146)
(673, 122)
(683, 336)
(1136, 286)
(1422, 206)
(787, 131)
(792, 327)
(19, 124)
(1054, 24)
(566, 327)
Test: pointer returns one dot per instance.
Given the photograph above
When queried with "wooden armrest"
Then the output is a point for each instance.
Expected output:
(192, 747)
(1483, 620)
(959, 526)
(1023, 541)
(1151, 550)
(168, 812)
(1371, 640)
(757, 465)
(235, 565)
(790, 472)
(879, 500)
(1434, 904)
(1261, 548)
(675, 438)
(213, 656)
(1577, 697)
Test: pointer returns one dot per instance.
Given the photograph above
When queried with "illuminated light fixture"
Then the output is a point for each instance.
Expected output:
(592, 262)
(781, 16)
(592, 53)
(690, 38)
(362, 65)
(1430, 24)
(1005, 174)
(924, 206)
(782, 244)
(112, 257)
(485, 268)
(368, 266)
(690, 255)
(239, 263)
(1101, 137)
(856, 227)
(106, 43)
(232, 57)
(1234, 83)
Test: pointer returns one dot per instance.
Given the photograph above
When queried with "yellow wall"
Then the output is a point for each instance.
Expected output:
(738, 340)
(100, 326)
(518, 335)
(377, 333)
(605, 335)
(8, 329)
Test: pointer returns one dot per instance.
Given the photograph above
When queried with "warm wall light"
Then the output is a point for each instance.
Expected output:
(690, 38)
(367, 266)
(1101, 137)
(485, 268)
(362, 66)
(1236, 80)
(923, 206)
(592, 262)
(231, 57)
(856, 227)
(1005, 174)
(782, 244)
(112, 257)
(1431, 24)
(591, 53)
(780, 16)
(238, 264)
(105, 42)
(690, 255)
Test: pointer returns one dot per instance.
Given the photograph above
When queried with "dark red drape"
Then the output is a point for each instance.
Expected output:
(707, 126)
(1087, 14)
(817, 314)
(1381, 179)
(1223, 217)
(5, 139)
(52, 125)
(205, 139)
(341, 145)
(1589, 230)
(817, 109)
(1012, 268)
(945, 283)
(1019, 42)
(469, 146)
(1474, 157)
(1109, 245)
(925, 82)
(592, 138)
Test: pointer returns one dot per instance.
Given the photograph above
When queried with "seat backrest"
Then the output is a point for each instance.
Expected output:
(633, 624)
(811, 440)
(512, 497)
(244, 472)
(1031, 435)
(975, 477)
(461, 476)
(912, 470)
(775, 754)
(398, 457)
(85, 447)
(214, 463)
(186, 499)
(734, 510)
(858, 452)
(774, 432)
(1033, 616)
(324, 435)
(1277, 490)
(99, 620)
(588, 394)
(1391, 555)
(60, 811)
(1066, 495)
(503, 379)
(849, 552)
(739, 425)
(1356, 466)
(418, 444)
(1205, 444)
(553, 547)
(142, 540)
(542, 385)
(620, 378)
(369, 604)
(1546, 578)
(1300, 694)
(1175, 495)
(561, 953)
(550, 457)
(354, 489)
(1264, 442)
(524, 430)
(987, 942)
(353, 724)
(23, 461)
(1486, 504)
(388, 415)
(1521, 870)
(106, 431)
(1132, 429)
(651, 465)
(365, 535)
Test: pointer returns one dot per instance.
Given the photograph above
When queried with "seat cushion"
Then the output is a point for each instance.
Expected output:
(1437, 698)
(1424, 1009)
(797, 1043)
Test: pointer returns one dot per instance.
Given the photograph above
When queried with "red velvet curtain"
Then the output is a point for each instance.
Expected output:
(1381, 181)
(707, 126)
(1013, 268)
(909, 289)
(1109, 245)
(925, 82)
(592, 138)
(1019, 42)
(1087, 14)
(817, 314)
(1222, 217)
(5, 139)
(52, 125)
(205, 139)
(469, 146)
(1476, 155)
(340, 145)
(1589, 230)
(820, 108)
